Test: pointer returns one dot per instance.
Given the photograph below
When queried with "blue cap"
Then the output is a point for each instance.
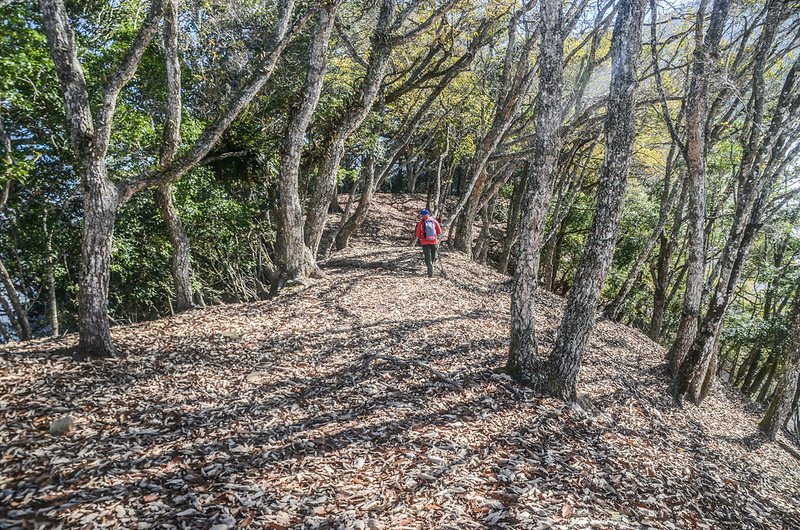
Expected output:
(425, 212)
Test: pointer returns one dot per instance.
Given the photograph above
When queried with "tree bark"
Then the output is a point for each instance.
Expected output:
(52, 301)
(17, 305)
(512, 225)
(181, 247)
(354, 222)
(352, 117)
(578, 320)
(706, 52)
(752, 192)
(662, 276)
(295, 261)
(99, 213)
(558, 223)
(613, 309)
(180, 264)
(523, 363)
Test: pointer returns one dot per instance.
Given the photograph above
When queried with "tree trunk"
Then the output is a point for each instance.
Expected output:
(512, 225)
(613, 309)
(295, 261)
(578, 320)
(754, 185)
(181, 247)
(436, 204)
(181, 265)
(481, 251)
(9, 313)
(354, 222)
(765, 388)
(662, 275)
(352, 117)
(706, 52)
(52, 302)
(758, 378)
(4, 332)
(464, 231)
(17, 305)
(558, 223)
(523, 363)
(99, 214)
(90, 137)
(749, 368)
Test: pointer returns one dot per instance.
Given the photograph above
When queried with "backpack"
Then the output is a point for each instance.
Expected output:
(429, 230)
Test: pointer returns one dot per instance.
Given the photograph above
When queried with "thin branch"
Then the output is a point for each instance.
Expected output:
(405, 363)
(123, 74)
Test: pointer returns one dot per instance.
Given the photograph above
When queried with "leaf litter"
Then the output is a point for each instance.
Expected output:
(370, 400)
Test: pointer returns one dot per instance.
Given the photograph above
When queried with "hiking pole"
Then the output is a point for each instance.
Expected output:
(439, 259)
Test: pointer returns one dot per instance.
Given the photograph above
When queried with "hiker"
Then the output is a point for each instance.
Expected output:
(427, 232)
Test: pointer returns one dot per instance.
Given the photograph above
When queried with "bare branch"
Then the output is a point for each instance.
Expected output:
(214, 131)
(123, 74)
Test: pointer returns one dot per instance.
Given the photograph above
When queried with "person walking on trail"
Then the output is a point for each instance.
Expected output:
(427, 231)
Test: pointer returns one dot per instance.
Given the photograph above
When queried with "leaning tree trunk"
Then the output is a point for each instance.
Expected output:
(662, 276)
(706, 51)
(523, 363)
(181, 247)
(516, 81)
(352, 223)
(512, 225)
(613, 309)
(351, 119)
(753, 187)
(295, 260)
(20, 311)
(180, 265)
(565, 360)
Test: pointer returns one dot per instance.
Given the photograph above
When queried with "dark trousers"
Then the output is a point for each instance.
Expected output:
(429, 251)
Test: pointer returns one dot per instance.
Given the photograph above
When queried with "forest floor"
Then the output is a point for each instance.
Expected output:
(368, 400)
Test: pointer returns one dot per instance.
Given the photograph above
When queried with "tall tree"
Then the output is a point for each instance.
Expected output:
(523, 363)
(705, 56)
(565, 360)
(181, 266)
(295, 259)
(765, 154)
(90, 134)
(781, 405)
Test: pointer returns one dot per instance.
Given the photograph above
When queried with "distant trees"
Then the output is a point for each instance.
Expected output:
(784, 399)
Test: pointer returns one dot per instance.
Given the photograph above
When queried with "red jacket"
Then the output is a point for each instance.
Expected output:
(420, 231)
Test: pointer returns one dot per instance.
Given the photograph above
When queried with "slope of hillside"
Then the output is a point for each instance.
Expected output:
(368, 400)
